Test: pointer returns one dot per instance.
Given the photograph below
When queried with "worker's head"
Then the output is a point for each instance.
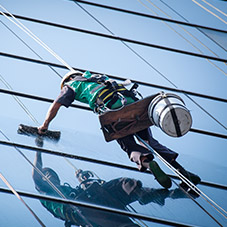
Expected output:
(51, 175)
(69, 76)
(83, 175)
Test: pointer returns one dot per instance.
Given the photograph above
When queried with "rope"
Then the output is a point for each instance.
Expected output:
(19, 101)
(44, 151)
(125, 39)
(202, 31)
(87, 108)
(97, 161)
(19, 197)
(190, 34)
(46, 178)
(160, 18)
(102, 208)
(185, 180)
(34, 37)
(166, 48)
(29, 47)
(117, 78)
(130, 48)
(205, 111)
(148, 15)
(198, 204)
(195, 48)
(203, 7)
(37, 40)
(215, 8)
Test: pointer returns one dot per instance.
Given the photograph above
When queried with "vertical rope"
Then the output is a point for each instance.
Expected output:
(49, 182)
(190, 34)
(19, 101)
(184, 179)
(198, 105)
(34, 37)
(29, 47)
(215, 8)
(203, 7)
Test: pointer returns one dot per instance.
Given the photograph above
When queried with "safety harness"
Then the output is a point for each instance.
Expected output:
(111, 91)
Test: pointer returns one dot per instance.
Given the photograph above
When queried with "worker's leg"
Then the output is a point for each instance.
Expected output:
(136, 152)
(165, 152)
(169, 155)
(144, 159)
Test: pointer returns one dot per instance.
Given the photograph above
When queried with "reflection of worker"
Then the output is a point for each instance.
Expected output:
(102, 93)
(132, 190)
(59, 210)
(117, 193)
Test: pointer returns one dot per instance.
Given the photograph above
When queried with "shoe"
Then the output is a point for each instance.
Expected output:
(159, 175)
(177, 194)
(151, 195)
(181, 194)
(194, 193)
(190, 176)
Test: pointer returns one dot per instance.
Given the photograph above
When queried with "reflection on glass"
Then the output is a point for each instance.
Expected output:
(117, 193)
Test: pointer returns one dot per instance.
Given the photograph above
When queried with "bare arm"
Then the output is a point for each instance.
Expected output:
(39, 165)
(51, 113)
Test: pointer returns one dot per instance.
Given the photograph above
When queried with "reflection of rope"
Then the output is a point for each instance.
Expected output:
(29, 47)
(200, 52)
(200, 30)
(185, 180)
(22, 105)
(127, 208)
(19, 197)
(36, 169)
(46, 178)
(214, 8)
(152, 65)
(96, 161)
(70, 163)
(197, 203)
(19, 101)
(190, 34)
(203, 7)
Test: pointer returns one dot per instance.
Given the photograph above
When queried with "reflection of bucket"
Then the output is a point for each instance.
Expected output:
(168, 112)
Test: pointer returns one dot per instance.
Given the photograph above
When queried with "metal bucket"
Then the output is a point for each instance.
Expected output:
(168, 112)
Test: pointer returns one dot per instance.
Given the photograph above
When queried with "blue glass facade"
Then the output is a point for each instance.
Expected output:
(117, 187)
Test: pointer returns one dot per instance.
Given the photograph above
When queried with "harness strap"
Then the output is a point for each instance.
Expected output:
(107, 93)
(110, 91)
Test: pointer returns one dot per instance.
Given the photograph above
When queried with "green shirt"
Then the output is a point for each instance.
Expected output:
(86, 92)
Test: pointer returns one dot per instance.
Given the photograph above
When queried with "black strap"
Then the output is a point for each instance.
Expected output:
(107, 93)
(174, 117)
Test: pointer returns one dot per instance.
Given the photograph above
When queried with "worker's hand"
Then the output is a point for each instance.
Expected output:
(42, 129)
(78, 172)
